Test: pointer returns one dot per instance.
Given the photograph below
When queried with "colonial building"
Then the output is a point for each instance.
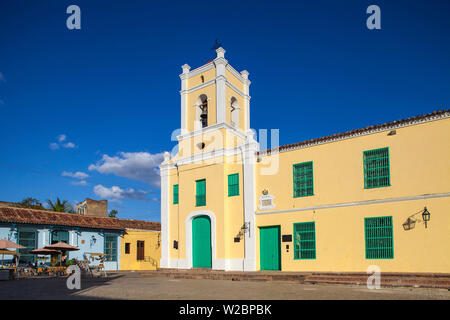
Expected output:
(90, 230)
(373, 196)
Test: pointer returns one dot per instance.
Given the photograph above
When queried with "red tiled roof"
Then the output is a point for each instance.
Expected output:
(384, 126)
(33, 216)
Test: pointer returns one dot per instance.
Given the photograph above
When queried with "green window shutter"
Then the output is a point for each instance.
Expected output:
(376, 168)
(175, 194)
(303, 179)
(304, 240)
(233, 184)
(200, 193)
(110, 247)
(28, 239)
(379, 238)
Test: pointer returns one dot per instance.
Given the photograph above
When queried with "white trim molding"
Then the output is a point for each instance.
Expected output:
(165, 221)
(359, 203)
(216, 126)
(249, 149)
(216, 265)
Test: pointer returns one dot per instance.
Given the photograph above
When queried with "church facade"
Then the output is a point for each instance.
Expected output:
(373, 196)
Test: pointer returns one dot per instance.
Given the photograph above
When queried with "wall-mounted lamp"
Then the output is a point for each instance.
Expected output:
(409, 224)
(246, 228)
(425, 216)
(92, 241)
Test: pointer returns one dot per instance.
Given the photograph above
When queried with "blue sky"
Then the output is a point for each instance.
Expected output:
(103, 101)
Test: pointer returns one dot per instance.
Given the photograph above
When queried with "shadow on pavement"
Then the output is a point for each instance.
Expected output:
(52, 288)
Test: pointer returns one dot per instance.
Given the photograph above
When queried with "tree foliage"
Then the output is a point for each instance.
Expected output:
(31, 203)
(113, 213)
(60, 206)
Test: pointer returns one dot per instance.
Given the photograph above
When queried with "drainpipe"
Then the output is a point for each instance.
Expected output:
(243, 200)
(178, 215)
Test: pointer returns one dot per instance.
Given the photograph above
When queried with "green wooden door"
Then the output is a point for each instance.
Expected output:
(269, 247)
(201, 242)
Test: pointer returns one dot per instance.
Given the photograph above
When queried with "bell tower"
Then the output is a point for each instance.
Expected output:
(214, 95)
(215, 145)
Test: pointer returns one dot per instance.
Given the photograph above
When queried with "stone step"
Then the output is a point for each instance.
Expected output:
(358, 278)
(385, 281)
(226, 275)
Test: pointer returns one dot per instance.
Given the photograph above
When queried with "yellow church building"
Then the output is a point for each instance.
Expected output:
(373, 196)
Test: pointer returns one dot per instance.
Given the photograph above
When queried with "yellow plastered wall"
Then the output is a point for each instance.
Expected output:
(419, 165)
(234, 81)
(213, 140)
(152, 250)
(197, 80)
(228, 211)
(340, 238)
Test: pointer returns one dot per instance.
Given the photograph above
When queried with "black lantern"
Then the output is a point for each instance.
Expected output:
(409, 224)
(425, 216)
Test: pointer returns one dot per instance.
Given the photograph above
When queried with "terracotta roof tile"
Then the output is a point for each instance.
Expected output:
(33, 216)
(388, 125)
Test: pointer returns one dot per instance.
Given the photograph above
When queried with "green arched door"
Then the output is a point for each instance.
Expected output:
(201, 242)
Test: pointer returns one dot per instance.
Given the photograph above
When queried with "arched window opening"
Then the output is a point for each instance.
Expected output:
(203, 79)
(203, 108)
(234, 107)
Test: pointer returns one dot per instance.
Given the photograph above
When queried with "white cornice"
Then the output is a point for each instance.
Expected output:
(204, 156)
(235, 73)
(212, 81)
(211, 128)
(198, 87)
(242, 94)
(359, 203)
(218, 61)
(360, 134)
(199, 70)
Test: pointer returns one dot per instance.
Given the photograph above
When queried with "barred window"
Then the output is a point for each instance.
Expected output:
(379, 238)
(28, 239)
(305, 240)
(376, 168)
(303, 179)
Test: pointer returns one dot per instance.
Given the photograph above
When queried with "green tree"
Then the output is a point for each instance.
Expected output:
(31, 203)
(60, 206)
(113, 213)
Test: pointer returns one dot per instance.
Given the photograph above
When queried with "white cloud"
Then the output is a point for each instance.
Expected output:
(116, 192)
(79, 183)
(61, 138)
(54, 146)
(142, 166)
(69, 145)
(79, 175)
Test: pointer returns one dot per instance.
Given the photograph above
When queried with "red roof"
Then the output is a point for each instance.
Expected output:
(33, 216)
(384, 126)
